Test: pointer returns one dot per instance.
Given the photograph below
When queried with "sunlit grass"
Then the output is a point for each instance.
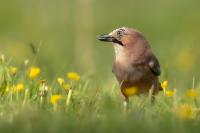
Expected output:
(77, 103)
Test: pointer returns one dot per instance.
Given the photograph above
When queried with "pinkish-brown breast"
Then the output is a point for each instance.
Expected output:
(136, 75)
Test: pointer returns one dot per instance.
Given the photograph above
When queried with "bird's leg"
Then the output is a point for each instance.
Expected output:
(153, 98)
(152, 93)
(125, 104)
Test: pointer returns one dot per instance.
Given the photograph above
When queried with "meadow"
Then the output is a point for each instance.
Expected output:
(55, 76)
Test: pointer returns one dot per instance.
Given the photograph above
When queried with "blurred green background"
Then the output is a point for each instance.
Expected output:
(65, 33)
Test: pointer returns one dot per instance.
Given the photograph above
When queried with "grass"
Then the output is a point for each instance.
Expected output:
(60, 37)
(75, 103)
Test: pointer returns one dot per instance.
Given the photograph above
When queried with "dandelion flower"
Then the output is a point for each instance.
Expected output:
(185, 111)
(164, 84)
(26, 62)
(8, 88)
(42, 81)
(19, 87)
(60, 81)
(170, 93)
(55, 98)
(191, 93)
(66, 86)
(12, 70)
(73, 76)
(34, 72)
(2, 59)
(130, 91)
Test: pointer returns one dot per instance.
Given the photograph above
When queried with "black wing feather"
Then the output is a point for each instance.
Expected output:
(154, 66)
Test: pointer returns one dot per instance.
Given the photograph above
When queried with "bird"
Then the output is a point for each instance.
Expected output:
(135, 66)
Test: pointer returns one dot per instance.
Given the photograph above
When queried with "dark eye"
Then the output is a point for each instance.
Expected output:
(119, 33)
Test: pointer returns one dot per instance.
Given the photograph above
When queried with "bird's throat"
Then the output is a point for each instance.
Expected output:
(119, 53)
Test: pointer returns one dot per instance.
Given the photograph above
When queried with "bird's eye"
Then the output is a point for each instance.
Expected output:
(119, 33)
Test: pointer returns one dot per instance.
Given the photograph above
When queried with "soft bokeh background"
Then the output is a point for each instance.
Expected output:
(64, 32)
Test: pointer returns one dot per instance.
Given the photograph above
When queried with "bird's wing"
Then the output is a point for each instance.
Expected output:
(154, 66)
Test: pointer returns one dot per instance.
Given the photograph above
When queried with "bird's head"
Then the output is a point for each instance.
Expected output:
(125, 41)
(122, 36)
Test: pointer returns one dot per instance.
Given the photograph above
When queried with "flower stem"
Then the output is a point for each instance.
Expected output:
(68, 98)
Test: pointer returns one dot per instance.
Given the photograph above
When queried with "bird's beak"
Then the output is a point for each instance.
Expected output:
(109, 38)
(105, 38)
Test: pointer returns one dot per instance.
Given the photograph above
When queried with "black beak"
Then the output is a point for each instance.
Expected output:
(105, 38)
(109, 38)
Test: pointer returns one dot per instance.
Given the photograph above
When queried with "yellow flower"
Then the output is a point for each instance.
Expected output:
(12, 70)
(2, 59)
(164, 84)
(55, 98)
(191, 93)
(7, 89)
(73, 76)
(130, 91)
(42, 82)
(26, 62)
(34, 72)
(19, 87)
(185, 111)
(66, 86)
(170, 93)
(60, 81)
